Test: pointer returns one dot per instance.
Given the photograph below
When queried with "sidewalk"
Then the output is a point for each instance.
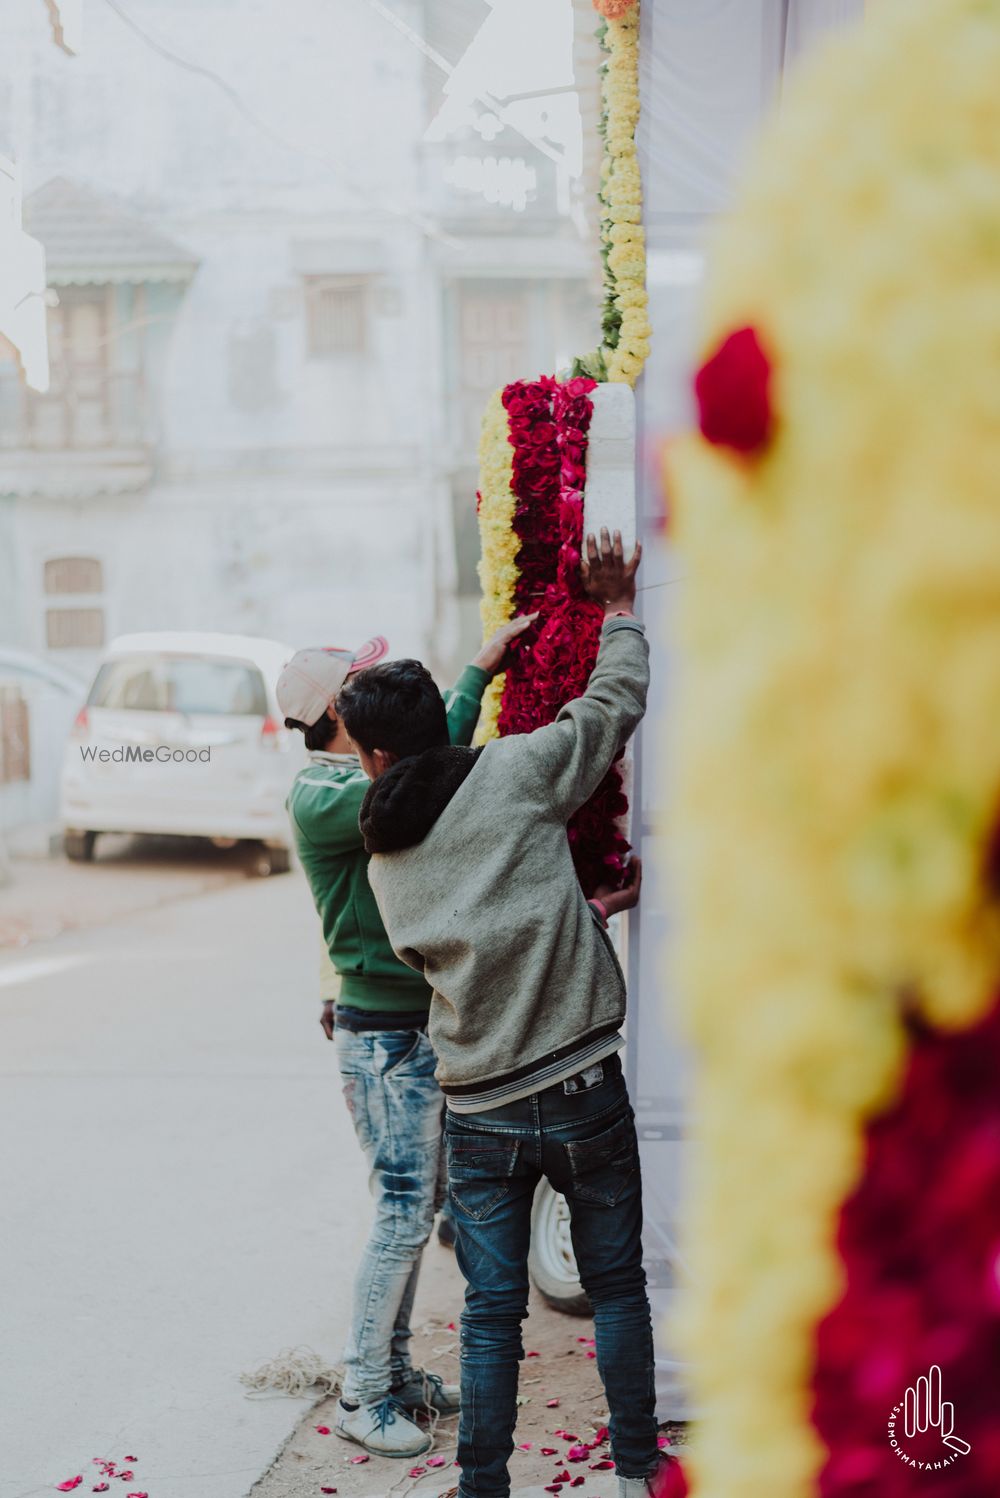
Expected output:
(561, 1370)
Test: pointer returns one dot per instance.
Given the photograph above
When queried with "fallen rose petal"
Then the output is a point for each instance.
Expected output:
(322, 1430)
(532, 1354)
(100, 1487)
(416, 1472)
(69, 1484)
(561, 1476)
(137, 1495)
(328, 1490)
(602, 1434)
(601, 1466)
(126, 1476)
(581, 1339)
(451, 1327)
(578, 1453)
(131, 1458)
(525, 1445)
(577, 1481)
(554, 1487)
(548, 1451)
(357, 1460)
(435, 1461)
(591, 1353)
(551, 1404)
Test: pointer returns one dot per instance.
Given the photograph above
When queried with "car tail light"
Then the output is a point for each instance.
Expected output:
(81, 724)
(270, 733)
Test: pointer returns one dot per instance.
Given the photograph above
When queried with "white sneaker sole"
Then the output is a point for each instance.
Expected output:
(345, 1435)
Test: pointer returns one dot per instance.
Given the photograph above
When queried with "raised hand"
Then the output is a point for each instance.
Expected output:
(924, 1409)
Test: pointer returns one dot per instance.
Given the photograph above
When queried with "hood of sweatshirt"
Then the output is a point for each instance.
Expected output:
(402, 805)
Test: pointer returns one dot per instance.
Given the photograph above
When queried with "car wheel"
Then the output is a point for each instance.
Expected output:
(79, 846)
(265, 861)
(551, 1261)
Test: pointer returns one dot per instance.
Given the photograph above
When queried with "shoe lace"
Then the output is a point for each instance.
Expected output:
(385, 1412)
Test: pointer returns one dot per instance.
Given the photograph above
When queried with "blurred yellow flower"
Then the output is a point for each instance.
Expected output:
(838, 709)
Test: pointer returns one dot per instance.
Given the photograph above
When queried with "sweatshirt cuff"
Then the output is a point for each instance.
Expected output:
(616, 622)
(472, 682)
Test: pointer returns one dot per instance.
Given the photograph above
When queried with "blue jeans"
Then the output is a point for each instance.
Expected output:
(585, 1143)
(397, 1108)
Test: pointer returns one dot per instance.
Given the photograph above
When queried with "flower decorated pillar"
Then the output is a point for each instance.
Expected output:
(835, 823)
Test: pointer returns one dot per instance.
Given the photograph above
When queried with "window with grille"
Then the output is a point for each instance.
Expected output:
(336, 315)
(74, 629)
(73, 575)
(74, 616)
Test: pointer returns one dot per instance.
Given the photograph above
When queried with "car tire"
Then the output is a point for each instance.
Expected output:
(265, 861)
(79, 846)
(551, 1263)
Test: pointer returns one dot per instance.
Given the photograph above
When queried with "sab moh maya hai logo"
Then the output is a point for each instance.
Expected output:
(925, 1436)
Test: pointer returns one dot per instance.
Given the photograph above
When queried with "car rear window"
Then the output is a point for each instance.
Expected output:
(180, 684)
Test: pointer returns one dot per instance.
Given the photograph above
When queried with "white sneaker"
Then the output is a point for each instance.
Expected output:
(644, 1487)
(428, 1391)
(382, 1427)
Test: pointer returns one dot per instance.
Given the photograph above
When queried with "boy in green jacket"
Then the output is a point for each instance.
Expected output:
(379, 1025)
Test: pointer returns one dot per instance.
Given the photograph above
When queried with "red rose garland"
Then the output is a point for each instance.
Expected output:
(920, 1242)
(548, 430)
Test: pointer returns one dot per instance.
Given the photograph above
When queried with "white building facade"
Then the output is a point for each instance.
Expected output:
(277, 314)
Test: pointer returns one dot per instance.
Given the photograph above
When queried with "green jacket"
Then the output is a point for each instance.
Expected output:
(323, 804)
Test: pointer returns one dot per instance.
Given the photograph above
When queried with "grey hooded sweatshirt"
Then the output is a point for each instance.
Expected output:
(472, 874)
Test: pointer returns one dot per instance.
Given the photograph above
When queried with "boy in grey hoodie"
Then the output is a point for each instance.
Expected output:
(472, 873)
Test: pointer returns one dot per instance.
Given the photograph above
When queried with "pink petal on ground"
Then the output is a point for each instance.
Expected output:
(126, 1476)
(577, 1481)
(578, 1453)
(322, 1430)
(357, 1460)
(548, 1451)
(137, 1495)
(328, 1490)
(131, 1458)
(100, 1487)
(69, 1484)
(591, 1353)
(525, 1445)
(551, 1404)
(554, 1487)
(435, 1461)
(601, 1466)
(451, 1327)
(581, 1339)
(532, 1354)
(416, 1472)
(602, 1434)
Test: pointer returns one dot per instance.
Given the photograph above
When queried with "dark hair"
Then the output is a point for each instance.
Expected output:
(319, 735)
(394, 706)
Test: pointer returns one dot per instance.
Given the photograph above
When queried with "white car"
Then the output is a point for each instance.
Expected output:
(181, 734)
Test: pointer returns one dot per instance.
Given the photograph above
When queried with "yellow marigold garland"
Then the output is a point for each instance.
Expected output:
(621, 194)
(840, 704)
(498, 570)
(625, 322)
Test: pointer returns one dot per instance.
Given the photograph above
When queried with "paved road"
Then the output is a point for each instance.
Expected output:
(180, 1195)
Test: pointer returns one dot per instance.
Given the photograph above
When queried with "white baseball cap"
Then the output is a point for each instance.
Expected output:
(310, 682)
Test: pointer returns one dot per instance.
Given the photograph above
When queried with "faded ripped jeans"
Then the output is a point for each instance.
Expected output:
(585, 1143)
(397, 1110)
